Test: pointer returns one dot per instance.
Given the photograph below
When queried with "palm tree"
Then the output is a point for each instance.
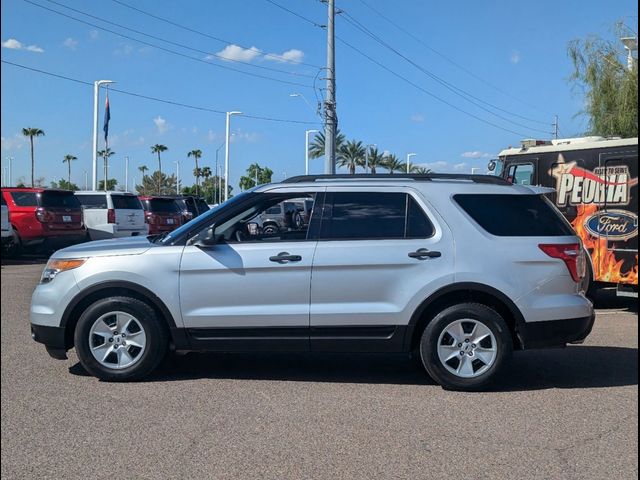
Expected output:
(351, 155)
(158, 148)
(105, 154)
(32, 132)
(68, 159)
(375, 159)
(420, 170)
(394, 164)
(206, 173)
(143, 169)
(197, 172)
(316, 148)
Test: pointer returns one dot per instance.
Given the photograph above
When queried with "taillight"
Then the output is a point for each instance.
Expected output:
(42, 215)
(150, 218)
(111, 216)
(571, 254)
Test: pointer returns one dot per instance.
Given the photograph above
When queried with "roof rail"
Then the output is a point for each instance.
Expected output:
(418, 177)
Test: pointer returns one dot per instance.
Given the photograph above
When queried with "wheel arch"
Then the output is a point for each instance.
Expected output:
(463, 292)
(111, 289)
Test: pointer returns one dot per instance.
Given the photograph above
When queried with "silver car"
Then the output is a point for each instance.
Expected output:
(457, 270)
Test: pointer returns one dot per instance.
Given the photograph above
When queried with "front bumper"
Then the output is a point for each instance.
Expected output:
(53, 339)
(556, 333)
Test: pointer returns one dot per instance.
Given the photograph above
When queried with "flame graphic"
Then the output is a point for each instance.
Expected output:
(605, 265)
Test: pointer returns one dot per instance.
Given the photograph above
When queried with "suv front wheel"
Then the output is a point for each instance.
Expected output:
(120, 338)
(464, 346)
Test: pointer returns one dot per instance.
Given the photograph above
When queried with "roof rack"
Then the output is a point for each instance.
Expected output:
(418, 177)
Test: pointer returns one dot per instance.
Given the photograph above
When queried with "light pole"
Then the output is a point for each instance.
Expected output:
(96, 88)
(226, 155)
(177, 162)
(126, 173)
(474, 170)
(630, 45)
(409, 155)
(299, 95)
(86, 180)
(306, 150)
(10, 177)
(366, 156)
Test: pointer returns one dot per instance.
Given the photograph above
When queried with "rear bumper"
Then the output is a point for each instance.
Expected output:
(53, 339)
(556, 333)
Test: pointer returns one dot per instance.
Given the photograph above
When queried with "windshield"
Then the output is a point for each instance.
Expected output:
(177, 233)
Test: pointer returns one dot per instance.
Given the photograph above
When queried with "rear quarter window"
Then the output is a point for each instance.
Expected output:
(25, 199)
(515, 215)
(126, 202)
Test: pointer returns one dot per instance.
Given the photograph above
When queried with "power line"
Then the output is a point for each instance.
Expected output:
(456, 90)
(295, 14)
(156, 99)
(182, 45)
(451, 61)
(193, 30)
(173, 52)
(415, 85)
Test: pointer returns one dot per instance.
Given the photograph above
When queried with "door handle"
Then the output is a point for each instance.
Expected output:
(285, 257)
(423, 253)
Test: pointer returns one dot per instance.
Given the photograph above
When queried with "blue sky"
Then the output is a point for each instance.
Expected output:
(515, 53)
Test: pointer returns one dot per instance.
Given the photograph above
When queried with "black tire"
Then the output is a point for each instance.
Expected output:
(431, 335)
(270, 229)
(588, 286)
(157, 339)
(14, 247)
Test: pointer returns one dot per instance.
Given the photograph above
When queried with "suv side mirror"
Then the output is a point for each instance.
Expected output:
(210, 240)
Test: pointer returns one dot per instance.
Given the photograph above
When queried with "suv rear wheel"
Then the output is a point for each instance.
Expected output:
(120, 338)
(464, 346)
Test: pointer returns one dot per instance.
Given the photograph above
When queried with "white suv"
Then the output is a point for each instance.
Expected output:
(7, 229)
(112, 214)
(458, 270)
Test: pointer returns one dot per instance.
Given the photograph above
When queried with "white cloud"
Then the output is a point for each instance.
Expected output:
(161, 124)
(475, 154)
(417, 118)
(234, 52)
(94, 34)
(14, 44)
(290, 56)
(240, 136)
(515, 57)
(70, 43)
(124, 49)
(14, 143)
(460, 166)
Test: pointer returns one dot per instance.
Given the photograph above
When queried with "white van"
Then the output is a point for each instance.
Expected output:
(112, 214)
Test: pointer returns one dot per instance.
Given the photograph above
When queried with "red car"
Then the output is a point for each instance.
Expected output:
(43, 216)
(161, 213)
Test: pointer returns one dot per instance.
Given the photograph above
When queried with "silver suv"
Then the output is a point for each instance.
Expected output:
(457, 270)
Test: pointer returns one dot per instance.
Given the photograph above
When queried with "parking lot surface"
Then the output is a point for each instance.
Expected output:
(564, 413)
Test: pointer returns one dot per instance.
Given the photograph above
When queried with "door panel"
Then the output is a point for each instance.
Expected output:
(237, 285)
(376, 282)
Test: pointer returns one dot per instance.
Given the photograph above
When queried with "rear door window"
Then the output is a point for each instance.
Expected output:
(515, 215)
(93, 201)
(126, 202)
(418, 225)
(59, 200)
(25, 199)
(363, 215)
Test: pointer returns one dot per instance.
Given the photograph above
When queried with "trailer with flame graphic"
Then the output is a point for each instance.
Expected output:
(595, 185)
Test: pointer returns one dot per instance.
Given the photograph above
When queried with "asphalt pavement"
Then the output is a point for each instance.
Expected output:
(556, 414)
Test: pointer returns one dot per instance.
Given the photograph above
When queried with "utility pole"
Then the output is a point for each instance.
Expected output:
(331, 120)
(555, 127)
(96, 89)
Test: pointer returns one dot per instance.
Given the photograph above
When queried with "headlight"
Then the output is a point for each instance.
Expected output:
(55, 266)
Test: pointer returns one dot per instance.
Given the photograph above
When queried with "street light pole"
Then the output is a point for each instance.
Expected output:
(409, 155)
(226, 155)
(86, 180)
(10, 169)
(366, 156)
(96, 88)
(177, 162)
(126, 173)
(306, 150)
